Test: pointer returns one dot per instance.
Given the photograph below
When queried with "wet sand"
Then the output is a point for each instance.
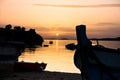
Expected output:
(45, 75)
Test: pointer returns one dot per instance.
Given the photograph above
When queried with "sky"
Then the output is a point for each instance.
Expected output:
(58, 18)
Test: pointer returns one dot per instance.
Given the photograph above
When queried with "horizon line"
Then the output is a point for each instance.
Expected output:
(79, 6)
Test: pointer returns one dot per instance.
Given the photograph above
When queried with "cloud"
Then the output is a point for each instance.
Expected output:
(67, 29)
(105, 27)
(108, 29)
(107, 24)
(49, 29)
(79, 6)
(49, 32)
(42, 28)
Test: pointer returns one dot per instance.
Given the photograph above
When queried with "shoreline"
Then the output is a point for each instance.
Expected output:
(45, 75)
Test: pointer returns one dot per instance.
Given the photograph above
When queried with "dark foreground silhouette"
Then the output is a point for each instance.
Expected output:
(19, 34)
(45, 75)
(95, 62)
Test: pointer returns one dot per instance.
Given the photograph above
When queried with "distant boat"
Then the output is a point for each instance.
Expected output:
(50, 42)
(29, 66)
(95, 62)
(71, 46)
(45, 45)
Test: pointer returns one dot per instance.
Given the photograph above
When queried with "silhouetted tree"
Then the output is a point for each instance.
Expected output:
(8, 27)
(32, 31)
(18, 28)
(19, 34)
(23, 28)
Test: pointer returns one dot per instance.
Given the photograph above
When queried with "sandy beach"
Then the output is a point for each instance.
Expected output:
(45, 75)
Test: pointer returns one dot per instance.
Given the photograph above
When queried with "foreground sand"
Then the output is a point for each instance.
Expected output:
(45, 75)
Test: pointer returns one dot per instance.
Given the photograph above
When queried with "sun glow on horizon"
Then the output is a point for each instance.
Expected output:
(57, 34)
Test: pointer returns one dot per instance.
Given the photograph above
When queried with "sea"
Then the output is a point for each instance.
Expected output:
(57, 57)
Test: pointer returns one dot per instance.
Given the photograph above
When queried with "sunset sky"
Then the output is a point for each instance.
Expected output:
(58, 18)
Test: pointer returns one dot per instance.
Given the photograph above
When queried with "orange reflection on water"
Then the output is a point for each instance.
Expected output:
(56, 56)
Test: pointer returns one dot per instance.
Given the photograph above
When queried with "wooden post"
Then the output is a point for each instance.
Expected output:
(81, 55)
(81, 36)
(97, 42)
(83, 52)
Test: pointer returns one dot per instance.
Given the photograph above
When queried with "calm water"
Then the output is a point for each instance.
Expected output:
(57, 57)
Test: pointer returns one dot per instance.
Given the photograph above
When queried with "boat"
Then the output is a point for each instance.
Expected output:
(71, 46)
(95, 62)
(9, 53)
(45, 45)
(29, 66)
(50, 42)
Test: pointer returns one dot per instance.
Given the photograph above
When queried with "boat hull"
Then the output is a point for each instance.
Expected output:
(108, 64)
(28, 66)
(95, 62)
(109, 57)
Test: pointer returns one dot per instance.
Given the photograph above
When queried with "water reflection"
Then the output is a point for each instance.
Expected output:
(57, 57)
(57, 44)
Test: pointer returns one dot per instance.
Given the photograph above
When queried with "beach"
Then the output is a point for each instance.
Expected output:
(45, 75)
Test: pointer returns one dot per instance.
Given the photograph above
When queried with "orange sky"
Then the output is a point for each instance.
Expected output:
(49, 17)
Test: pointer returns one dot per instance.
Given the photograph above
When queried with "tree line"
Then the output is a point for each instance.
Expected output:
(20, 34)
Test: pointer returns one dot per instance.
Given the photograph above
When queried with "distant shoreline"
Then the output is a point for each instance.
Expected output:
(100, 39)
(106, 39)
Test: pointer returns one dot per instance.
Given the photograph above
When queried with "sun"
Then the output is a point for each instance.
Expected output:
(57, 34)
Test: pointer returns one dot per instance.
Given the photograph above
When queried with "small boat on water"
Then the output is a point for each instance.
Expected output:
(29, 66)
(71, 46)
(95, 62)
(50, 42)
(45, 45)
(9, 53)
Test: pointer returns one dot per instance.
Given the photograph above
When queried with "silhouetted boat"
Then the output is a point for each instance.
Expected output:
(45, 45)
(9, 54)
(29, 66)
(95, 62)
(51, 42)
(71, 46)
(10, 51)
